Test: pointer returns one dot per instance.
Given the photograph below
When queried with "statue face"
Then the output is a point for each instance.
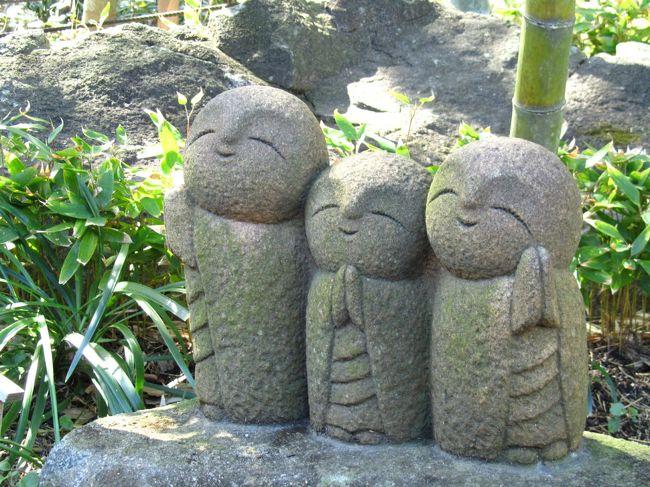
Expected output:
(251, 154)
(373, 222)
(477, 227)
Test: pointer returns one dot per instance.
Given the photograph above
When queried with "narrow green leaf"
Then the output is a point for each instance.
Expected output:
(346, 126)
(606, 228)
(401, 97)
(74, 210)
(120, 135)
(167, 138)
(49, 370)
(96, 221)
(70, 264)
(624, 184)
(105, 186)
(7, 235)
(599, 155)
(197, 98)
(641, 241)
(115, 236)
(101, 306)
(164, 333)
(141, 291)
(87, 247)
(55, 132)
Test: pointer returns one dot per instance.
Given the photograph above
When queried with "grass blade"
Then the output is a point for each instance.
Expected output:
(49, 370)
(167, 338)
(151, 295)
(99, 311)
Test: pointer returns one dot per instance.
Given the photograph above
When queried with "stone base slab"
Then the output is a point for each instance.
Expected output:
(177, 446)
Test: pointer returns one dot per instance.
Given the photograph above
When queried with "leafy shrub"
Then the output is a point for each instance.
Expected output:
(613, 259)
(80, 233)
(600, 24)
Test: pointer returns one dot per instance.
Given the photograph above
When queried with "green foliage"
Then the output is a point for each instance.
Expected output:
(468, 134)
(613, 259)
(618, 412)
(79, 233)
(602, 24)
(347, 139)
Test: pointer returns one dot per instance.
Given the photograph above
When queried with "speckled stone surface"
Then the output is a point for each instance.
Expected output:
(236, 223)
(508, 345)
(176, 445)
(369, 305)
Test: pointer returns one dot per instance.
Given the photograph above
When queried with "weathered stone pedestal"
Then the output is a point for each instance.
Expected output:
(177, 446)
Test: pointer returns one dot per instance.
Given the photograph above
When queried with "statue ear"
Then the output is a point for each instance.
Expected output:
(534, 297)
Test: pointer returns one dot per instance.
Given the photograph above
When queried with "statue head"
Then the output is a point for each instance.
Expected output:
(493, 199)
(368, 211)
(251, 154)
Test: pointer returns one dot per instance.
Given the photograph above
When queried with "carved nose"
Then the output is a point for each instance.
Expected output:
(348, 227)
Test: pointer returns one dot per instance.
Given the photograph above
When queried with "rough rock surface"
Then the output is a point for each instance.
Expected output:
(368, 310)
(609, 98)
(108, 77)
(237, 224)
(467, 60)
(177, 445)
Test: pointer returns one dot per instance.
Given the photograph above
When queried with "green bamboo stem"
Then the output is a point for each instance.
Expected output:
(542, 71)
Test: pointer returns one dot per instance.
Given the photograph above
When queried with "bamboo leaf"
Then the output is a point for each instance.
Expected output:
(87, 247)
(624, 184)
(599, 155)
(641, 241)
(346, 126)
(606, 228)
(70, 264)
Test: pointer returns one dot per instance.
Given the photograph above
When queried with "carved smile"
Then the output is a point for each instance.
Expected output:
(348, 231)
(466, 223)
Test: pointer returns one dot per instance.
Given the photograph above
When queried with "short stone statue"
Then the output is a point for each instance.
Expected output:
(509, 358)
(368, 309)
(237, 224)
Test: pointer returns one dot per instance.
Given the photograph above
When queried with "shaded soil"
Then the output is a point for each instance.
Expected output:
(629, 371)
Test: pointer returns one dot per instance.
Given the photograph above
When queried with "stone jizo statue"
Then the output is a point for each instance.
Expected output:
(368, 312)
(237, 224)
(508, 354)
(314, 291)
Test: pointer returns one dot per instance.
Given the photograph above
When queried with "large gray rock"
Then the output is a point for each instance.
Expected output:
(368, 310)
(609, 98)
(509, 357)
(467, 60)
(237, 224)
(108, 78)
(178, 446)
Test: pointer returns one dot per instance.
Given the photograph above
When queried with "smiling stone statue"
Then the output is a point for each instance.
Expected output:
(368, 309)
(509, 359)
(237, 225)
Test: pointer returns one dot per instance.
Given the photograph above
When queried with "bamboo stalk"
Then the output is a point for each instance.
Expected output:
(542, 71)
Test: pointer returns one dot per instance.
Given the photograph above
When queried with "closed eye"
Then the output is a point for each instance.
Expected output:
(386, 215)
(208, 132)
(199, 135)
(267, 143)
(515, 215)
(324, 207)
(442, 192)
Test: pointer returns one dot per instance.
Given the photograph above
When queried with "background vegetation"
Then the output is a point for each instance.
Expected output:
(91, 313)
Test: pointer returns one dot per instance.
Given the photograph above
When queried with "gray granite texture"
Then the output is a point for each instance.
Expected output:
(509, 359)
(237, 224)
(368, 310)
(178, 446)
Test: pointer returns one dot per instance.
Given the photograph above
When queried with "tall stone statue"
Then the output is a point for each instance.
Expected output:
(368, 309)
(237, 224)
(509, 358)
